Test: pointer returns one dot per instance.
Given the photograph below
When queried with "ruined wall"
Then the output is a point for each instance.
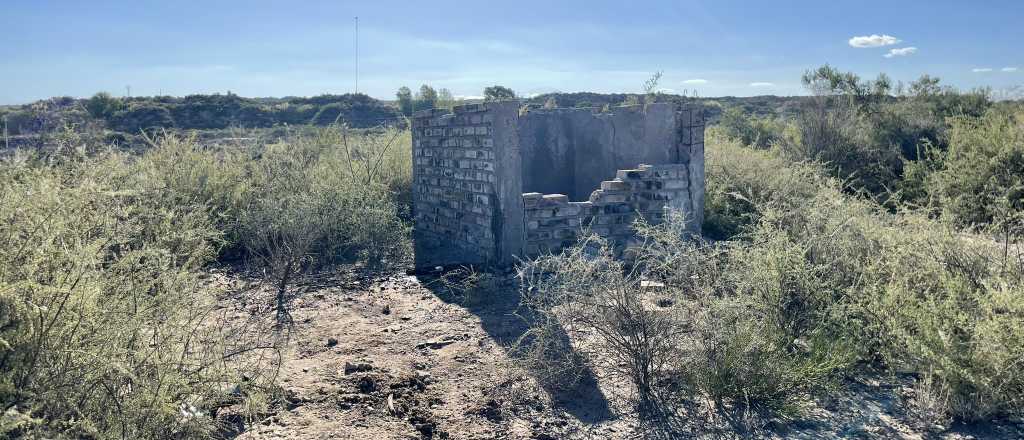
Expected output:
(571, 151)
(471, 168)
(553, 222)
(466, 185)
(690, 152)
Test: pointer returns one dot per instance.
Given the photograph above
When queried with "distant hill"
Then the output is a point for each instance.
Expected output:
(762, 106)
(196, 112)
(223, 111)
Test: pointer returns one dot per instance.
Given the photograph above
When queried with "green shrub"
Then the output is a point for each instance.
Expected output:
(316, 199)
(900, 287)
(106, 327)
(102, 105)
(142, 117)
(738, 184)
(758, 132)
(981, 180)
(303, 212)
(813, 283)
(712, 332)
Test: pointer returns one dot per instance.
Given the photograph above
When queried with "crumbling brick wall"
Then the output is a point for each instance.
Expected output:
(469, 206)
(553, 222)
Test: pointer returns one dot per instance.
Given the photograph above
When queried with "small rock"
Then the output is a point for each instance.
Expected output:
(647, 284)
(367, 385)
(434, 344)
(332, 341)
(357, 367)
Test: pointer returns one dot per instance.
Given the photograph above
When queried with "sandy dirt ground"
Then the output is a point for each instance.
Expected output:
(394, 356)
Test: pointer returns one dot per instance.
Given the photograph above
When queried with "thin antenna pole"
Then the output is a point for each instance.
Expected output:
(357, 54)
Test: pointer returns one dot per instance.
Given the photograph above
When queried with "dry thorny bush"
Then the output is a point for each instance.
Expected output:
(659, 320)
(808, 291)
(108, 327)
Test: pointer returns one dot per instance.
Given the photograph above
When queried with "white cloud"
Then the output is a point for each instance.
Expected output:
(901, 52)
(981, 69)
(762, 84)
(1009, 69)
(695, 81)
(874, 41)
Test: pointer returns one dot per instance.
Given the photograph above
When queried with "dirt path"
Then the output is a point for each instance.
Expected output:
(394, 357)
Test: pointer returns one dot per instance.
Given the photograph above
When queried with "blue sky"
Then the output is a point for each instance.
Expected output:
(723, 47)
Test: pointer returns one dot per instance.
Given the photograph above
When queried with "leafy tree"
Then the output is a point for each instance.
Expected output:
(445, 99)
(498, 93)
(405, 103)
(829, 81)
(102, 105)
(426, 98)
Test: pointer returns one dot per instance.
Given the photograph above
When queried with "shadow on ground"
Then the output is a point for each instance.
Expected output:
(498, 308)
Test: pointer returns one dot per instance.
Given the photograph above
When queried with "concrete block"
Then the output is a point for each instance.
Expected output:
(555, 199)
(615, 185)
(630, 174)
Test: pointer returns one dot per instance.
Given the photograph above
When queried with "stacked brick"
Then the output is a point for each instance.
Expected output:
(553, 222)
(454, 194)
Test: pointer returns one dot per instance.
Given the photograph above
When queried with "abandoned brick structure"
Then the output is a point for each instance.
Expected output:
(492, 184)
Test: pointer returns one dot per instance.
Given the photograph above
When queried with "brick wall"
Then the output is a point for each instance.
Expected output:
(458, 214)
(469, 206)
(553, 222)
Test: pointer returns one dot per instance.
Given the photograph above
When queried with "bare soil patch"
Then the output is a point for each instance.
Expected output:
(390, 356)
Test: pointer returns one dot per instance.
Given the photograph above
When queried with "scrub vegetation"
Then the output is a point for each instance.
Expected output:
(868, 230)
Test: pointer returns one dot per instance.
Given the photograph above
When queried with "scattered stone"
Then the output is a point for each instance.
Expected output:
(387, 309)
(435, 344)
(358, 367)
(424, 377)
(332, 341)
(651, 285)
(367, 385)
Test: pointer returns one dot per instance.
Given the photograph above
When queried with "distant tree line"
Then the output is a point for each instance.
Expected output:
(222, 111)
(428, 98)
(195, 112)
